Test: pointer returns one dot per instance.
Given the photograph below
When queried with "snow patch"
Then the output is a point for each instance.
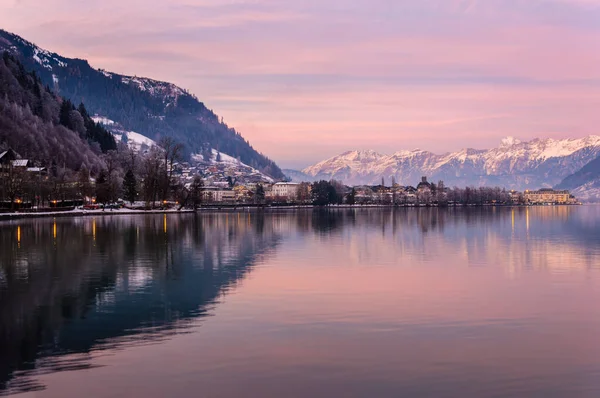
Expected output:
(139, 140)
(105, 73)
(103, 120)
(43, 60)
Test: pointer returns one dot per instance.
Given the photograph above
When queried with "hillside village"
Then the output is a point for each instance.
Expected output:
(220, 180)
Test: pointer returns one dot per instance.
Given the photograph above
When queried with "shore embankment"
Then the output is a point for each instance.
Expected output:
(230, 208)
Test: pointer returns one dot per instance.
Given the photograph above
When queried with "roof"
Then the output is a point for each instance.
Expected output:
(8, 155)
(20, 162)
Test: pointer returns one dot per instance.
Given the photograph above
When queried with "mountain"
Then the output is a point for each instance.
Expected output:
(149, 107)
(514, 164)
(38, 124)
(585, 183)
(297, 176)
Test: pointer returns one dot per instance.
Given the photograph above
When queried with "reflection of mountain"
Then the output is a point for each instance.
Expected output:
(84, 286)
(113, 281)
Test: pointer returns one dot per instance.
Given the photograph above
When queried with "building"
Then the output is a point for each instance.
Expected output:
(7, 159)
(218, 195)
(548, 195)
(424, 186)
(284, 191)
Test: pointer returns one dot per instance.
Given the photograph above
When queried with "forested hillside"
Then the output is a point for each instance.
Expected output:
(152, 108)
(43, 127)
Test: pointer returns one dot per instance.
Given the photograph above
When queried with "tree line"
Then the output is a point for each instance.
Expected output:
(333, 192)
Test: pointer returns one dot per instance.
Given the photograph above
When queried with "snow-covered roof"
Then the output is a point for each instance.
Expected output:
(20, 162)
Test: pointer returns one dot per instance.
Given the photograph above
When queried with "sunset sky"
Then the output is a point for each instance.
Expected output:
(308, 79)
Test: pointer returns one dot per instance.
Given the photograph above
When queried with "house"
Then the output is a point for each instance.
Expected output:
(6, 160)
(218, 195)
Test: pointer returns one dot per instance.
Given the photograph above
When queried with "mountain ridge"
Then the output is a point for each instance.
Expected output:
(585, 183)
(151, 107)
(514, 164)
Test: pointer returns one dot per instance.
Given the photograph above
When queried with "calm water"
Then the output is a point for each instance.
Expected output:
(368, 303)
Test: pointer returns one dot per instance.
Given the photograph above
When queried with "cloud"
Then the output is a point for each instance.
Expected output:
(437, 74)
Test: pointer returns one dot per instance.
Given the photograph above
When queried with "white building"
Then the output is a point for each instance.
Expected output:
(216, 194)
(284, 190)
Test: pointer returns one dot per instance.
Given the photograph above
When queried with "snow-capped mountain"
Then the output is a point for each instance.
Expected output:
(585, 183)
(514, 164)
(151, 107)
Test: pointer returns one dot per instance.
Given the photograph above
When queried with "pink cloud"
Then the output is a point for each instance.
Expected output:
(325, 75)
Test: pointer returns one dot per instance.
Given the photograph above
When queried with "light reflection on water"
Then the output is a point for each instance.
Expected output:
(354, 303)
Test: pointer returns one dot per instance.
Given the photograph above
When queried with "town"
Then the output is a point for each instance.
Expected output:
(222, 181)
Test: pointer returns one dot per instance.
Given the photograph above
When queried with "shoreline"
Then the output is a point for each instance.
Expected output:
(230, 208)
(86, 213)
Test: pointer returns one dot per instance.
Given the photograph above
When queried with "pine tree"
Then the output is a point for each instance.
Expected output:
(130, 187)
(196, 191)
(102, 194)
(351, 197)
(260, 194)
(65, 113)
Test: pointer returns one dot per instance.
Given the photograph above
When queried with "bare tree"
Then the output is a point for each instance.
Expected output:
(151, 167)
(173, 153)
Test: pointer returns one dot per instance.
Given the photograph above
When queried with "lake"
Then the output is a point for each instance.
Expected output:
(465, 302)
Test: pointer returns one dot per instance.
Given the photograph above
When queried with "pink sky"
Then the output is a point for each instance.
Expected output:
(306, 80)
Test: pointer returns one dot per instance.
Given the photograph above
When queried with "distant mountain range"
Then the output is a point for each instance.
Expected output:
(514, 164)
(149, 107)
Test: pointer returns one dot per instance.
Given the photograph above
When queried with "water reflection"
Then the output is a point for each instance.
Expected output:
(73, 285)
(71, 289)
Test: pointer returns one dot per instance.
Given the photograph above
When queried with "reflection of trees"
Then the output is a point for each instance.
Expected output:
(77, 285)
(103, 281)
(331, 221)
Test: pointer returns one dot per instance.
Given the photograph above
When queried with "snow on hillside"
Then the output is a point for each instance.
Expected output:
(141, 143)
(225, 159)
(43, 57)
(103, 120)
(134, 140)
(154, 87)
(514, 164)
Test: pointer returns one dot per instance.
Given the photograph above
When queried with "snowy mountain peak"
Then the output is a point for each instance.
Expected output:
(361, 155)
(508, 142)
(514, 164)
